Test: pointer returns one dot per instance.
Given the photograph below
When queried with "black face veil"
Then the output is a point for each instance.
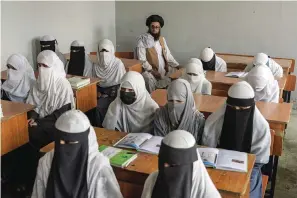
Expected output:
(77, 61)
(68, 174)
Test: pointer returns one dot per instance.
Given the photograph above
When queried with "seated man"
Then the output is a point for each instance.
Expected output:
(75, 168)
(152, 50)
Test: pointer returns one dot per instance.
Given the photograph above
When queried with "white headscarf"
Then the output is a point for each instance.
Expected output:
(88, 67)
(206, 54)
(59, 54)
(265, 86)
(19, 81)
(138, 116)
(261, 138)
(198, 82)
(263, 59)
(109, 68)
(100, 177)
(202, 185)
(52, 90)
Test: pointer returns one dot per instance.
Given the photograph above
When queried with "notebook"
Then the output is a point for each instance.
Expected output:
(236, 74)
(118, 157)
(224, 159)
(143, 142)
(78, 82)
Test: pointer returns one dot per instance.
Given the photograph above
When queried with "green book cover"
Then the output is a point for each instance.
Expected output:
(118, 157)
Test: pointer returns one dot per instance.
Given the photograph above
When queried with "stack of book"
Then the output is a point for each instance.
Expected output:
(78, 82)
(118, 157)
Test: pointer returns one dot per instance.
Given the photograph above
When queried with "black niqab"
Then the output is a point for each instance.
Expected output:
(237, 130)
(76, 64)
(210, 65)
(48, 45)
(175, 181)
(68, 174)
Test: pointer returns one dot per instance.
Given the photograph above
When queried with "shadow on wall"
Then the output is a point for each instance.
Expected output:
(35, 51)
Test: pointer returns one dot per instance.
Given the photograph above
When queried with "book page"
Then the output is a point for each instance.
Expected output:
(133, 140)
(209, 156)
(109, 151)
(232, 160)
(236, 74)
(152, 145)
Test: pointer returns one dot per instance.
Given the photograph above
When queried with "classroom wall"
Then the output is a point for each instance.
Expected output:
(23, 23)
(230, 27)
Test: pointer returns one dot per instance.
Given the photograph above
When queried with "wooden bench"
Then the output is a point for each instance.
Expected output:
(289, 87)
(127, 55)
(287, 64)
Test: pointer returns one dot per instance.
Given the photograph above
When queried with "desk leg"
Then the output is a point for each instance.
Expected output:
(273, 179)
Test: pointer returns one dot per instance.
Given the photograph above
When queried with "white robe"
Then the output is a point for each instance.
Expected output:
(19, 81)
(275, 68)
(52, 90)
(261, 139)
(202, 185)
(265, 86)
(100, 176)
(148, 42)
(137, 117)
(221, 65)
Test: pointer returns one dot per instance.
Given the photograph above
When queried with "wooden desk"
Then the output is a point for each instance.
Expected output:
(130, 64)
(132, 178)
(277, 114)
(14, 125)
(86, 97)
(286, 63)
(220, 82)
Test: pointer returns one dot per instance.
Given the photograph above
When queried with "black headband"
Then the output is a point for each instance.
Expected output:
(61, 135)
(177, 156)
(240, 102)
(48, 42)
(77, 48)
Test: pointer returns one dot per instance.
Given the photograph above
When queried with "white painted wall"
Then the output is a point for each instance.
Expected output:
(23, 23)
(231, 27)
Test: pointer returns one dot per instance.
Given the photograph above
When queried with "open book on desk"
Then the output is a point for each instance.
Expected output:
(236, 74)
(143, 142)
(224, 159)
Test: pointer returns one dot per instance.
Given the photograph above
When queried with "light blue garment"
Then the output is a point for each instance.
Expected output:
(256, 181)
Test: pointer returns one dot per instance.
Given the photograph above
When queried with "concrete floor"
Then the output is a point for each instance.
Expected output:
(286, 184)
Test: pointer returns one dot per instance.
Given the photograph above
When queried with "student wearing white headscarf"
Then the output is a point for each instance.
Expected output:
(110, 70)
(238, 125)
(80, 63)
(264, 59)
(52, 95)
(48, 42)
(157, 61)
(20, 79)
(180, 112)
(211, 61)
(194, 74)
(265, 86)
(182, 173)
(133, 110)
(75, 168)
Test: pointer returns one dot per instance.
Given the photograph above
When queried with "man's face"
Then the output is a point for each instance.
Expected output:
(155, 27)
(155, 30)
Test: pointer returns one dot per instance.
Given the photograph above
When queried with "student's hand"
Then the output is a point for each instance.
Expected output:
(156, 74)
(32, 122)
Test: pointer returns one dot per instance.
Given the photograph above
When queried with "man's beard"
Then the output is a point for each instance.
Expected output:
(156, 36)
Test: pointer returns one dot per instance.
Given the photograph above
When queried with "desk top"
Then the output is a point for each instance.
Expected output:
(219, 77)
(247, 59)
(92, 80)
(233, 182)
(11, 109)
(272, 112)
